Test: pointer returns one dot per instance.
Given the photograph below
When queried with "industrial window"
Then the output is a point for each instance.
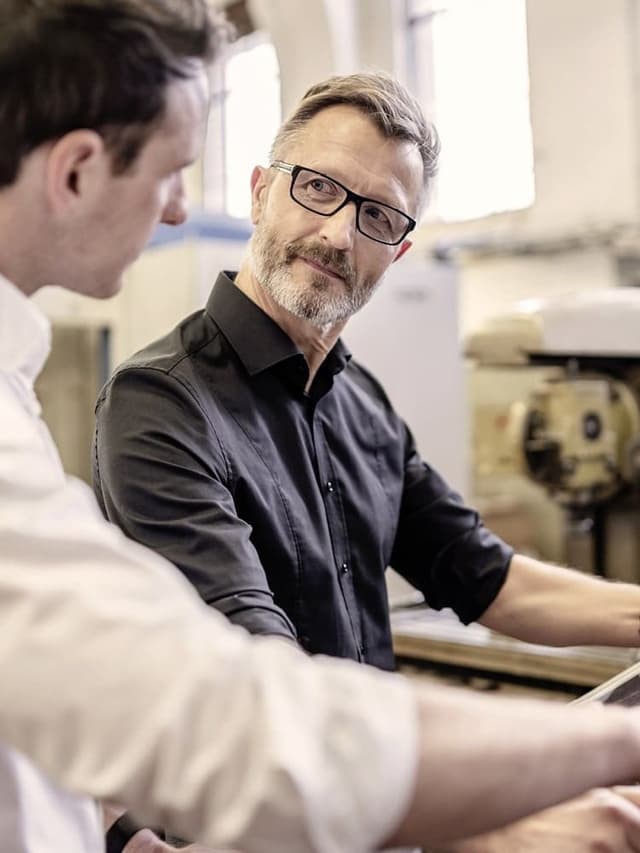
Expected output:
(244, 117)
(469, 68)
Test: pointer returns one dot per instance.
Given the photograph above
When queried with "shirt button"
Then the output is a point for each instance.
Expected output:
(329, 486)
(344, 568)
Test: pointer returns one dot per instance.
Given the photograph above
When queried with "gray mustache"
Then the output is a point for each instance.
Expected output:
(335, 260)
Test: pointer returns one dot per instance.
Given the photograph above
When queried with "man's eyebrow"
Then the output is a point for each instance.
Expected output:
(379, 199)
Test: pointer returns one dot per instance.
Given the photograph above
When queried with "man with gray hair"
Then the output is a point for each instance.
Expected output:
(249, 449)
(117, 681)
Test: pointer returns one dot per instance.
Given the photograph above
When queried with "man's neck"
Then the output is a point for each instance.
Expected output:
(21, 243)
(313, 342)
(11, 270)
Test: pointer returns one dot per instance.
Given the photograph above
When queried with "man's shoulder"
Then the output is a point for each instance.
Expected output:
(360, 379)
(176, 351)
(167, 367)
(186, 340)
(18, 424)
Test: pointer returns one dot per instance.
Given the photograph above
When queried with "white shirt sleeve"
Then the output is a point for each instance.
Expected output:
(122, 684)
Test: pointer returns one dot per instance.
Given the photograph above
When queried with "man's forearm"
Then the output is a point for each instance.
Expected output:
(245, 741)
(605, 819)
(542, 603)
(487, 761)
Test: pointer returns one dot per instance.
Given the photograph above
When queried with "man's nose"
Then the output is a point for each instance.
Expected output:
(175, 210)
(339, 229)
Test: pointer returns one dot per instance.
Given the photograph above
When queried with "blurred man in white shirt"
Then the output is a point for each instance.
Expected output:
(116, 680)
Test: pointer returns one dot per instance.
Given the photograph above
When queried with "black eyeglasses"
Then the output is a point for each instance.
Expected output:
(324, 195)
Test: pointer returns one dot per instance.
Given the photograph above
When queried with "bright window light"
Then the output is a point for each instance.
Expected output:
(245, 115)
(471, 73)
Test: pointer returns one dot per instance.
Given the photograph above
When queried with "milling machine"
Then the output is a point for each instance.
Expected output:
(577, 432)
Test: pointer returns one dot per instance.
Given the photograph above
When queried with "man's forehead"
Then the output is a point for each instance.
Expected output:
(188, 97)
(348, 130)
(185, 114)
(338, 123)
(344, 142)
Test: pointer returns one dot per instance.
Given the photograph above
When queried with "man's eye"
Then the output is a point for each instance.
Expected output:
(378, 215)
(319, 185)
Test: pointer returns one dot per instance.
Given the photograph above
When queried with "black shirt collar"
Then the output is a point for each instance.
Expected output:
(257, 340)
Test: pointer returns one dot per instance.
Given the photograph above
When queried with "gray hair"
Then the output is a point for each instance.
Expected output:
(389, 105)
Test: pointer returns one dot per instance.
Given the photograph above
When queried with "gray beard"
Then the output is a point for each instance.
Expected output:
(318, 302)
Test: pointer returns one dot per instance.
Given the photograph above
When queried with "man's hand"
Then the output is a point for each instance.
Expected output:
(198, 848)
(601, 821)
(146, 841)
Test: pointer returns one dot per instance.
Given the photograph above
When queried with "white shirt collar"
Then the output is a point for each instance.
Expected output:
(25, 333)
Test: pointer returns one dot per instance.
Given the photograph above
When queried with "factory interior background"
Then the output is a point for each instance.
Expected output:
(538, 198)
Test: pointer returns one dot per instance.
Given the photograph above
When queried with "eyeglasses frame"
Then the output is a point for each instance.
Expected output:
(293, 170)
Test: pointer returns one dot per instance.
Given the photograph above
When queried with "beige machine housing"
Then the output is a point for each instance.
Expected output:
(577, 432)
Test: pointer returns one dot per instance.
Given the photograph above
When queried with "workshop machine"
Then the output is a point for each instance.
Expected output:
(577, 431)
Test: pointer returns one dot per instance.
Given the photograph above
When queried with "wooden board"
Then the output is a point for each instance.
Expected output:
(435, 637)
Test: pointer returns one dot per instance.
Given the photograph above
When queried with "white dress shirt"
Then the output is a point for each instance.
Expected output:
(121, 684)
(35, 815)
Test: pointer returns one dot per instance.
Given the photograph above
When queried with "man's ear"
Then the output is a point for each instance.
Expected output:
(76, 165)
(258, 189)
(404, 247)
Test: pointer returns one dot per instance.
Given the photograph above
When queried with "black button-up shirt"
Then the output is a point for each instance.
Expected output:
(283, 508)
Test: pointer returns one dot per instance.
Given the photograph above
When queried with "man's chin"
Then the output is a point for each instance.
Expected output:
(113, 290)
(321, 316)
(100, 289)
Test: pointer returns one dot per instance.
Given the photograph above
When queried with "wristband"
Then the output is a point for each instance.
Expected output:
(122, 831)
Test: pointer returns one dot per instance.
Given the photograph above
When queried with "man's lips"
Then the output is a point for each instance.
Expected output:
(320, 268)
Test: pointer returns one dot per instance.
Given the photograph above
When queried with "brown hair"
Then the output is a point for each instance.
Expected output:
(391, 107)
(97, 64)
